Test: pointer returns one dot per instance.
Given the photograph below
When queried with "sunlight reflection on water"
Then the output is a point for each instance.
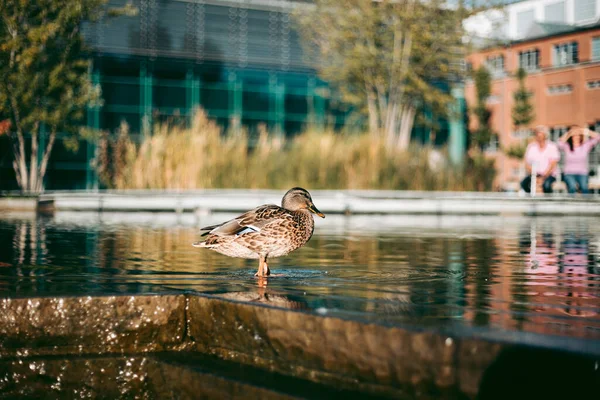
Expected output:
(507, 274)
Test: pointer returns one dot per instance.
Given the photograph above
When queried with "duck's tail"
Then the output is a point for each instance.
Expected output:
(207, 244)
(209, 228)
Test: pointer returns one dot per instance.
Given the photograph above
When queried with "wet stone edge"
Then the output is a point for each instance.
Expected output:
(390, 361)
(91, 325)
(116, 377)
(375, 358)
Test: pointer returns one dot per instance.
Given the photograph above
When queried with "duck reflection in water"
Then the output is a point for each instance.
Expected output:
(265, 296)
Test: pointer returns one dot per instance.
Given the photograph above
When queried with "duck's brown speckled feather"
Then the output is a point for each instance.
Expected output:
(267, 230)
(254, 219)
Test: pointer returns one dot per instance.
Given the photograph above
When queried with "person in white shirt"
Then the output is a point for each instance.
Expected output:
(543, 156)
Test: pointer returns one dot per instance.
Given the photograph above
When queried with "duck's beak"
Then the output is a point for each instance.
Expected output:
(315, 210)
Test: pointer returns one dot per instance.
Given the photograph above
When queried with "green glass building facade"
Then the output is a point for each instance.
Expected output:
(239, 60)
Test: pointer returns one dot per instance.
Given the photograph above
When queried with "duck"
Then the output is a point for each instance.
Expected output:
(266, 232)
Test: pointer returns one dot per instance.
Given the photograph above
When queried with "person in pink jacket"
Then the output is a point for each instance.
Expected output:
(577, 150)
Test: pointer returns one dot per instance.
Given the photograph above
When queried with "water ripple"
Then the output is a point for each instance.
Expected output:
(524, 275)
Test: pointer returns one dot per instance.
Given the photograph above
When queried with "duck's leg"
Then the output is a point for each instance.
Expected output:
(260, 268)
(263, 267)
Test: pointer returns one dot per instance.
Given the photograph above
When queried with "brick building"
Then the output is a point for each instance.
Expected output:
(562, 60)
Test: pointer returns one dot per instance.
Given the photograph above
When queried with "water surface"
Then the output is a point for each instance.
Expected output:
(479, 275)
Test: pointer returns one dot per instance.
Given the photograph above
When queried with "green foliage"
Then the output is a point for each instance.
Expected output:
(484, 132)
(522, 112)
(516, 151)
(387, 58)
(201, 156)
(44, 85)
(483, 84)
(42, 62)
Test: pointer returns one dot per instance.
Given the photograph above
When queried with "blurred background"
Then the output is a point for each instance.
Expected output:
(174, 94)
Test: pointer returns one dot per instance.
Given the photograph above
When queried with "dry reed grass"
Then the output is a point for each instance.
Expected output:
(202, 156)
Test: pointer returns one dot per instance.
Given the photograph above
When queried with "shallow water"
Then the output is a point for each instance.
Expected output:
(477, 275)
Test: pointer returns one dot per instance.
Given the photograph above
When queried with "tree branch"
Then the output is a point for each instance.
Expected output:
(46, 157)
(19, 155)
(33, 167)
(372, 107)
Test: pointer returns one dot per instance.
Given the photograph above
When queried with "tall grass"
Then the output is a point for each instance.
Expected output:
(202, 156)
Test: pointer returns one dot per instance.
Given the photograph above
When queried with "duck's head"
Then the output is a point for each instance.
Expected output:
(299, 199)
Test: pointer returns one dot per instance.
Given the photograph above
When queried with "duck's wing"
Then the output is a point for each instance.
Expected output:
(251, 221)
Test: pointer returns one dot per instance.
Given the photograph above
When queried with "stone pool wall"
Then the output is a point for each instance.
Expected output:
(349, 355)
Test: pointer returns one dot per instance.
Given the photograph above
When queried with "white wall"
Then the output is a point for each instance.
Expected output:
(480, 24)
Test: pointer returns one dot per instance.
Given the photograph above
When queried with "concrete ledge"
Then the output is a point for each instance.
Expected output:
(339, 202)
(18, 203)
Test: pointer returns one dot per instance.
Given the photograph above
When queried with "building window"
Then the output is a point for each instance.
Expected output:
(596, 48)
(529, 60)
(557, 132)
(555, 12)
(560, 89)
(492, 99)
(523, 133)
(469, 68)
(493, 145)
(593, 84)
(515, 172)
(565, 54)
(584, 10)
(495, 65)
